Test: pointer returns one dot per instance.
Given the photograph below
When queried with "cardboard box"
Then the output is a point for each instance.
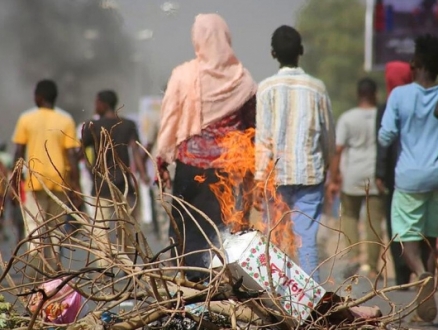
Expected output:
(297, 293)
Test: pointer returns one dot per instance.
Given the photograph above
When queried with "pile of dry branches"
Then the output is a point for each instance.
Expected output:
(154, 286)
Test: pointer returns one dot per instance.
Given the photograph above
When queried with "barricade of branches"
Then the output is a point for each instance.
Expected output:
(109, 274)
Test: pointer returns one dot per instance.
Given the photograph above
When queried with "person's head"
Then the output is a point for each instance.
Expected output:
(106, 101)
(426, 56)
(397, 74)
(367, 91)
(286, 45)
(212, 40)
(45, 94)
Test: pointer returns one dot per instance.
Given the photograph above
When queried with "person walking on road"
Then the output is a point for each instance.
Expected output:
(113, 153)
(409, 116)
(206, 98)
(46, 139)
(355, 179)
(396, 74)
(294, 124)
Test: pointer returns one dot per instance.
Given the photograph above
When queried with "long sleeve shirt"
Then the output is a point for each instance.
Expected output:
(409, 116)
(294, 127)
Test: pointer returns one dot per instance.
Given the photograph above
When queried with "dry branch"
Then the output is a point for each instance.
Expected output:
(156, 289)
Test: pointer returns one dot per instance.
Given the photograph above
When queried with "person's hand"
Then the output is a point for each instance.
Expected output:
(76, 200)
(165, 178)
(145, 179)
(14, 197)
(14, 190)
(333, 189)
(381, 186)
(10, 196)
(75, 195)
(258, 198)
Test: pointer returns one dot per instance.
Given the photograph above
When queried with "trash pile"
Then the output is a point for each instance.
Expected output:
(256, 286)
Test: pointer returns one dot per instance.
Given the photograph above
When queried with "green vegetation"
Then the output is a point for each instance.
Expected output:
(333, 36)
(5, 310)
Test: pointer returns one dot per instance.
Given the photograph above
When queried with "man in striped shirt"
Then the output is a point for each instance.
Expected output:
(294, 127)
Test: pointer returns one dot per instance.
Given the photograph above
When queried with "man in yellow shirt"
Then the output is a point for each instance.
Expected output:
(46, 139)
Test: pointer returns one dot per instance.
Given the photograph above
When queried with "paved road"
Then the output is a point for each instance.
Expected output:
(333, 279)
(331, 276)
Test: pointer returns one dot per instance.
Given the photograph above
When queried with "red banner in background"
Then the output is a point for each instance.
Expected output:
(395, 25)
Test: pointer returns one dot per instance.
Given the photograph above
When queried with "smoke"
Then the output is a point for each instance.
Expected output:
(79, 44)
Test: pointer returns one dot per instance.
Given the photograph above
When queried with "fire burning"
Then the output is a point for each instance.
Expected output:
(200, 178)
(236, 188)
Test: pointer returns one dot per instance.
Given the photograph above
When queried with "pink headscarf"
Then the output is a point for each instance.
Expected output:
(204, 90)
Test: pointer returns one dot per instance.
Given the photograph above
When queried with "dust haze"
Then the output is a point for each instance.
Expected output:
(130, 46)
(79, 44)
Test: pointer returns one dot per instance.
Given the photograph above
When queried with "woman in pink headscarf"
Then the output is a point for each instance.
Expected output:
(205, 99)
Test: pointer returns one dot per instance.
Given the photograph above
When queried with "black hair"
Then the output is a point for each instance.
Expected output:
(426, 53)
(47, 90)
(286, 44)
(108, 97)
(366, 87)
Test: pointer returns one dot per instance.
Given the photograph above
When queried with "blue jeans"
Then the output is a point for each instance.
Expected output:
(309, 201)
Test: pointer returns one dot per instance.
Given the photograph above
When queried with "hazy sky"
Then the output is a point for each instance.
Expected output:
(165, 32)
(159, 30)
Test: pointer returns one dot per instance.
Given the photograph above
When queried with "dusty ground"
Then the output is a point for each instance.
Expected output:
(330, 243)
(331, 271)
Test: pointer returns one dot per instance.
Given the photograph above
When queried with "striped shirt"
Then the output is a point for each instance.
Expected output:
(294, 127)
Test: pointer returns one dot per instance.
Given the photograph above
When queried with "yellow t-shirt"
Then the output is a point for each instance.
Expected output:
(47, 134)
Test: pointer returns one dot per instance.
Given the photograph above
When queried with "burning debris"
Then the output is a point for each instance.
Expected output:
(252, 282)
(262, 266)
(235, 191)
(264, 287)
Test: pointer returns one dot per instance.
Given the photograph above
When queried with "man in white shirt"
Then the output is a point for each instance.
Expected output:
(353, 173)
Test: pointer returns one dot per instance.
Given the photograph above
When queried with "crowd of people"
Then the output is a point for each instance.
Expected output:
(380, 156)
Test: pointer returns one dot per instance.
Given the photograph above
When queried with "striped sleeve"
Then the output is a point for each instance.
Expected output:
(263, 135)
(328, 129)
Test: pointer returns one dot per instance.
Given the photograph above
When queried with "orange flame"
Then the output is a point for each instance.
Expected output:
(200, 178)
(235, 190)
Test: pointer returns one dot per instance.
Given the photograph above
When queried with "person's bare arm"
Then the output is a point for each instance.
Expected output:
(139, 161)
(149, 147)
(335, 174)
(20, 151)
(73, 161)
(328, 130)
